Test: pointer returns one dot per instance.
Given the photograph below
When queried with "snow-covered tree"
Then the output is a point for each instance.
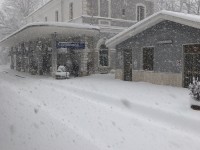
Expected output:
(12, 17)
(13, 12)
(22, 7)
(195, 89)
(187, 6)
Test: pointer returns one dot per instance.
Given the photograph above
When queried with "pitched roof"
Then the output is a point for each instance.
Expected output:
(182, 18)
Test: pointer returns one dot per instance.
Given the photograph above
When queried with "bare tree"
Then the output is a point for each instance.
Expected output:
(22, 7)
(187, 6)
(13, 13)
(173, 5)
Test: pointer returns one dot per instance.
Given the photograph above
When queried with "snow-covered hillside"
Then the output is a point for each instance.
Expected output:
(93, 113)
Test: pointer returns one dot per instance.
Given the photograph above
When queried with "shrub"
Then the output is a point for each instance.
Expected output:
(195, 89)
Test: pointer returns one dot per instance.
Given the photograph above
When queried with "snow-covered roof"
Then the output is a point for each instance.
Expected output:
(46, 29)
(182, 18)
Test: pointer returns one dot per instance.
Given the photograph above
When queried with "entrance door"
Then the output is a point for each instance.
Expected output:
(128, 65)
(191, 63)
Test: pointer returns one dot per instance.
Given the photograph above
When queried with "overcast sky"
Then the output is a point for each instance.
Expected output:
(1, 1)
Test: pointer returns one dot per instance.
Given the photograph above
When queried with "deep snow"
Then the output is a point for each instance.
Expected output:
(93, 113)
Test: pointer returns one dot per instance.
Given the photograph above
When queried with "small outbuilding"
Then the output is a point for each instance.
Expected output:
(161, 49)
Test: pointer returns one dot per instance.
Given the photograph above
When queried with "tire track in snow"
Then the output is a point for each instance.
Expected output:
(96, 97)
(175, 121)
(152, 114)
(56, 115)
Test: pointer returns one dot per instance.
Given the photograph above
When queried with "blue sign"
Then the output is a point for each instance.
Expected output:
(71, 45)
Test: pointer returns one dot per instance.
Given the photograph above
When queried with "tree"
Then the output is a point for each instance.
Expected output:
(13, 13)
(172, 5)
(22, 7)
(12, 17)
(187, 6)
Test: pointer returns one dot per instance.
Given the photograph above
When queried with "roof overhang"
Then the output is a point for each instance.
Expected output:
(185, 19)
(39, 30)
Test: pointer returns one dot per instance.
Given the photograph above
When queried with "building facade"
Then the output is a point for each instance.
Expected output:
(166, 51)
(110, 16)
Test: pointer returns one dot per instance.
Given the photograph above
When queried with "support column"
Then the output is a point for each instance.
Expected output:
(23, 63)
(32, 58)
(40, 57)
(84, 59)
(26, 58)
(18, 58)
(29, 56)
(11, 58)
(54, 54)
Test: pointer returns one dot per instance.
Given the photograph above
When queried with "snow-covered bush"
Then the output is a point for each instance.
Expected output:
(195, 89)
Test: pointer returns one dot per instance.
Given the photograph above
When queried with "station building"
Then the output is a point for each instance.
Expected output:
(161, 49)
(73, 33)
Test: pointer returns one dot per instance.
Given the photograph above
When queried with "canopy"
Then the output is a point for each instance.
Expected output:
(46, 29)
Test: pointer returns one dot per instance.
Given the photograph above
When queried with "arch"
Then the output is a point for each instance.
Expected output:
(100, 42)
(103, 53)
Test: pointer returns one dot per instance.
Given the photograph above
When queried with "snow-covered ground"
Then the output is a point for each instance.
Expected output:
(93, 113)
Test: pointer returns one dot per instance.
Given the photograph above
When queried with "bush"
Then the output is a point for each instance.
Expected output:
(195, 89)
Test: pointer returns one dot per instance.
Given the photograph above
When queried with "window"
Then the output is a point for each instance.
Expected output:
(148, 58)
(140, 12)
(103, 56)
(56, 16)
(123, 12)
(45, 19)
(71, 11)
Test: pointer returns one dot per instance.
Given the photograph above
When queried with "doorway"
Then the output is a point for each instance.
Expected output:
(128, 65)
(191, 63)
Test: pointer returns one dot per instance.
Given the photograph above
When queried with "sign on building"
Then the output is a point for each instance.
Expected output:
(71, 45)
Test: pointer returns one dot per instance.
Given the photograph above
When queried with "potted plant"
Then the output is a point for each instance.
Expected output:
(195, 94)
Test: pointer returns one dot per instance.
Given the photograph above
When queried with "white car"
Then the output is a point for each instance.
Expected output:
(62, 73)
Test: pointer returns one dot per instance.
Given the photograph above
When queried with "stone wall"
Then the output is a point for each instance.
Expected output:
(173, 79)
(119, 74)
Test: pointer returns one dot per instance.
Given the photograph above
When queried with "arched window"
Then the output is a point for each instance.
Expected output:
(141, 10)
(103, 55)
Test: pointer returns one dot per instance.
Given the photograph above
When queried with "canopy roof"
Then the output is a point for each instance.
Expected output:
(185, 19)
(38, 30)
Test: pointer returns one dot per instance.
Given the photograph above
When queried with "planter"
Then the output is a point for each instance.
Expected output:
(194, 104)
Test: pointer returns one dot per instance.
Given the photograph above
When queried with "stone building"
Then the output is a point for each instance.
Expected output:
(162, 49)
(109, 17)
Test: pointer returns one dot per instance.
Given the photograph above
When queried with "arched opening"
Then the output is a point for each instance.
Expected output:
(103, 56)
